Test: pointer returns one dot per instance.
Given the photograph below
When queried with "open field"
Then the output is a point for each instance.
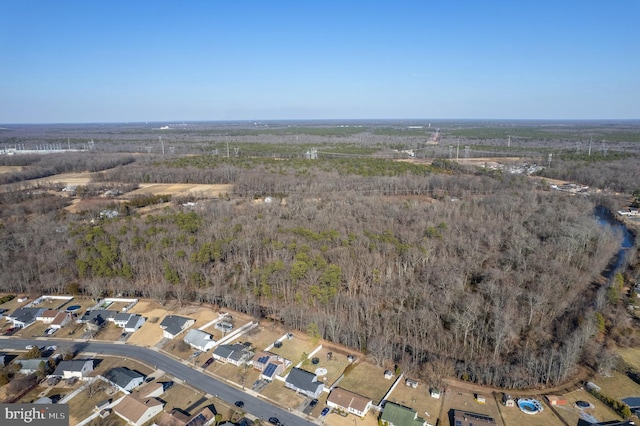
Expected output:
(200, 190)
(9, 169)
(367, 380)
(618, 385)
(630, 355)
(71, 179)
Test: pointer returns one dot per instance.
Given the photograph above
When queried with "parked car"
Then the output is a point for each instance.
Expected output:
(239, 404)
(29, 347)
(325, 411)
(50, 331)
(207, 363)
(313, 402)
(274, 421)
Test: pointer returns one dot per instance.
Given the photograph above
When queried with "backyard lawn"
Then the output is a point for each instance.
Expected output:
(419, 399)
(263, 335)
(618, 385)
(570, 413)
(367, 380)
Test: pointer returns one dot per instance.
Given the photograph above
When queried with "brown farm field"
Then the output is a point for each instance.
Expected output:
(9, 169)
(202, 190)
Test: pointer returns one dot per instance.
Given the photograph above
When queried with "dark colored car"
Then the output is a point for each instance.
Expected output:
(313, 403)
(274, 421)
(207, 363)
(325, 411)
(239, 404)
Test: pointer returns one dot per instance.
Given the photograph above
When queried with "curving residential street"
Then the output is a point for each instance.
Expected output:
(180, 370)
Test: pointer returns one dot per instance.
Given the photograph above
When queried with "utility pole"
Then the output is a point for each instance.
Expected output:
(227, 137)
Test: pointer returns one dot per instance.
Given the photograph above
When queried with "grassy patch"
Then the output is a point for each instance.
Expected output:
(368, 380)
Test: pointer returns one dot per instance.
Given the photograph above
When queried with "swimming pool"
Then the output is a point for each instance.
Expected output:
(529, 406)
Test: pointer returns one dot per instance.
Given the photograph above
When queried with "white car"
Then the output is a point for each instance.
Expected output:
(29, 347)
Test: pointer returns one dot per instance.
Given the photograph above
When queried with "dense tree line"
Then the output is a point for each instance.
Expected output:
(481, 275)
(619, 175)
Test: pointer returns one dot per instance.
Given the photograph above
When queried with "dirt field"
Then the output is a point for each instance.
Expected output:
(9, 169)
(67, 178)
(206, 191)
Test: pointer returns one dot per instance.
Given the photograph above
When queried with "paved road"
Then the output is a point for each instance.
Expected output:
(177, 369)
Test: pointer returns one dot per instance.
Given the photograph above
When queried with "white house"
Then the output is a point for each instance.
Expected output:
(199, 339)
(74, 368)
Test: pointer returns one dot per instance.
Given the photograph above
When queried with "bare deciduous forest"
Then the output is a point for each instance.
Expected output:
(490, 275)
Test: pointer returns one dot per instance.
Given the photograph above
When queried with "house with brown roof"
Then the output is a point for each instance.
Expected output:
(47, 316)
(349, 402)
(137, 412)
(177, 417)
(61, 319)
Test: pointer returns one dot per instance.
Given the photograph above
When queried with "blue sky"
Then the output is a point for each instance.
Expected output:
(116, 61)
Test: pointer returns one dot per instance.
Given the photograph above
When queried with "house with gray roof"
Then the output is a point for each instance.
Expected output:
(24, 317)
(28, 366)
(304, 382)
(98, 317)
(124, 378)
(172, 325)
(74, 368)
(134, 323)
(199, 339)
(235, 354)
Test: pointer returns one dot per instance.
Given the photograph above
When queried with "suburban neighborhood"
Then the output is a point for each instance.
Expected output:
(319, 381)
